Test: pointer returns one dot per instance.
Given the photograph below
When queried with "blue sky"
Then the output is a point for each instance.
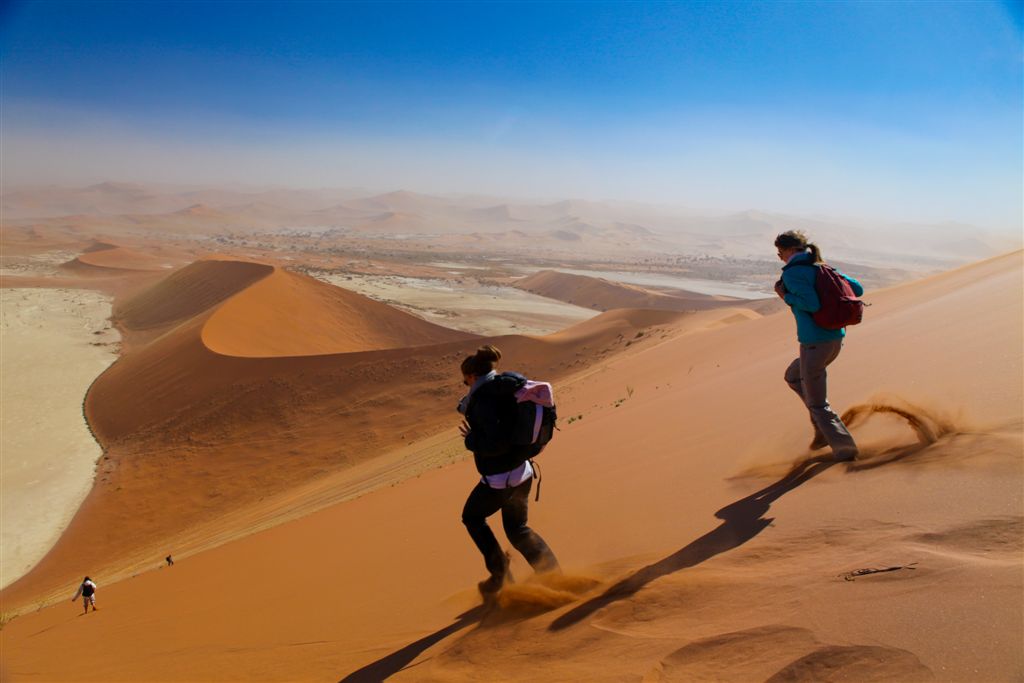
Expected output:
(905, 111)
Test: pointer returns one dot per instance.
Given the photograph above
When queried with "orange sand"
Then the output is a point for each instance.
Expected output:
(681, 484)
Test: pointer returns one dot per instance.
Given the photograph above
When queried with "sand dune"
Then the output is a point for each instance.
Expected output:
(101, 257)
(682, 485)
(287, 314)
(605, 295)
(276, 379)
(188, 292)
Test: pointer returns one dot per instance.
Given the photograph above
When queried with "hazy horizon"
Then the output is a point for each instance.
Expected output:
(663, 209)
(903, 112)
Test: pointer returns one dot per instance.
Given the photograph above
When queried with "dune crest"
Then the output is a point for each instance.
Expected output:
(288, 314)
(187, 292)
(104, 258)
(604, 295)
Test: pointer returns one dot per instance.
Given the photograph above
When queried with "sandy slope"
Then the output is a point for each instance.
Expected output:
(673, 491)
(249, 381)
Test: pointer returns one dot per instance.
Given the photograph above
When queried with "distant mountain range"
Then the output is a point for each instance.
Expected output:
(564, 224)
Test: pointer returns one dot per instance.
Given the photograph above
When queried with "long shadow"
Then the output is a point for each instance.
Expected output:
(742, 520)
(398, 660)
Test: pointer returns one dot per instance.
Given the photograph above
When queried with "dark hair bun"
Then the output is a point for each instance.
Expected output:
(488, 353)
(792, 239)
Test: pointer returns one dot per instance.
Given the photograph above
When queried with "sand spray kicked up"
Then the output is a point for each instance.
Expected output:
(880, 442)
(543, 592)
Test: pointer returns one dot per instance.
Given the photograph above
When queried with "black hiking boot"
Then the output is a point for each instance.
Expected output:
(494, 583)
(847, 455)
(819, 440)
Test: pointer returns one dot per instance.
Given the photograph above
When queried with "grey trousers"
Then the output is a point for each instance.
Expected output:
(807, 376)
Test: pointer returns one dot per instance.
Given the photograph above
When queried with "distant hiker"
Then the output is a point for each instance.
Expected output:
(490, 410)
(169, 560)
(88, 592)
(819, 345)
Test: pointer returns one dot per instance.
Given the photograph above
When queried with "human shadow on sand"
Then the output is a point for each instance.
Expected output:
(741, 521)
(396, 661)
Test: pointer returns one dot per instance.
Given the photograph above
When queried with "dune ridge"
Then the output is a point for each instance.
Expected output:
(289, 314)
(701, 575)
(187, 292)
(605, 295)
(104, 257)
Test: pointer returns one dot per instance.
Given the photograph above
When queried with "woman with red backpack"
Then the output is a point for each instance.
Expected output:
(821, 313)
(506, 474)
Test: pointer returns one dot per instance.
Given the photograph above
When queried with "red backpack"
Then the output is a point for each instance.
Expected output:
(839, 305)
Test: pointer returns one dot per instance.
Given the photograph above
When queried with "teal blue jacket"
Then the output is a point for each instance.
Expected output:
(803, 299)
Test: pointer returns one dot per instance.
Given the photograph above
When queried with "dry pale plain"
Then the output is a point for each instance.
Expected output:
(466, 304)
(682, 488)
(54, 344)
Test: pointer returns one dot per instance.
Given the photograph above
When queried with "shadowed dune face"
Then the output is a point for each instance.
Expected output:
(188, 292)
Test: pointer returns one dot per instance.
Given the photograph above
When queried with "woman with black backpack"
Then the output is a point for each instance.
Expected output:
(819, 345)
(490, 410)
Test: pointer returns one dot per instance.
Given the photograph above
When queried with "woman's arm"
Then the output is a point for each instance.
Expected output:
(800, 292)
(858, 289)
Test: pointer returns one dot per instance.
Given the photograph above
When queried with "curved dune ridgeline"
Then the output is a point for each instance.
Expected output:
(188, 292)
(102, 258)
(288, 314)
(260, 380)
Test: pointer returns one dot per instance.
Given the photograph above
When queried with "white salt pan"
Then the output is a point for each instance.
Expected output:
(53, 344)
